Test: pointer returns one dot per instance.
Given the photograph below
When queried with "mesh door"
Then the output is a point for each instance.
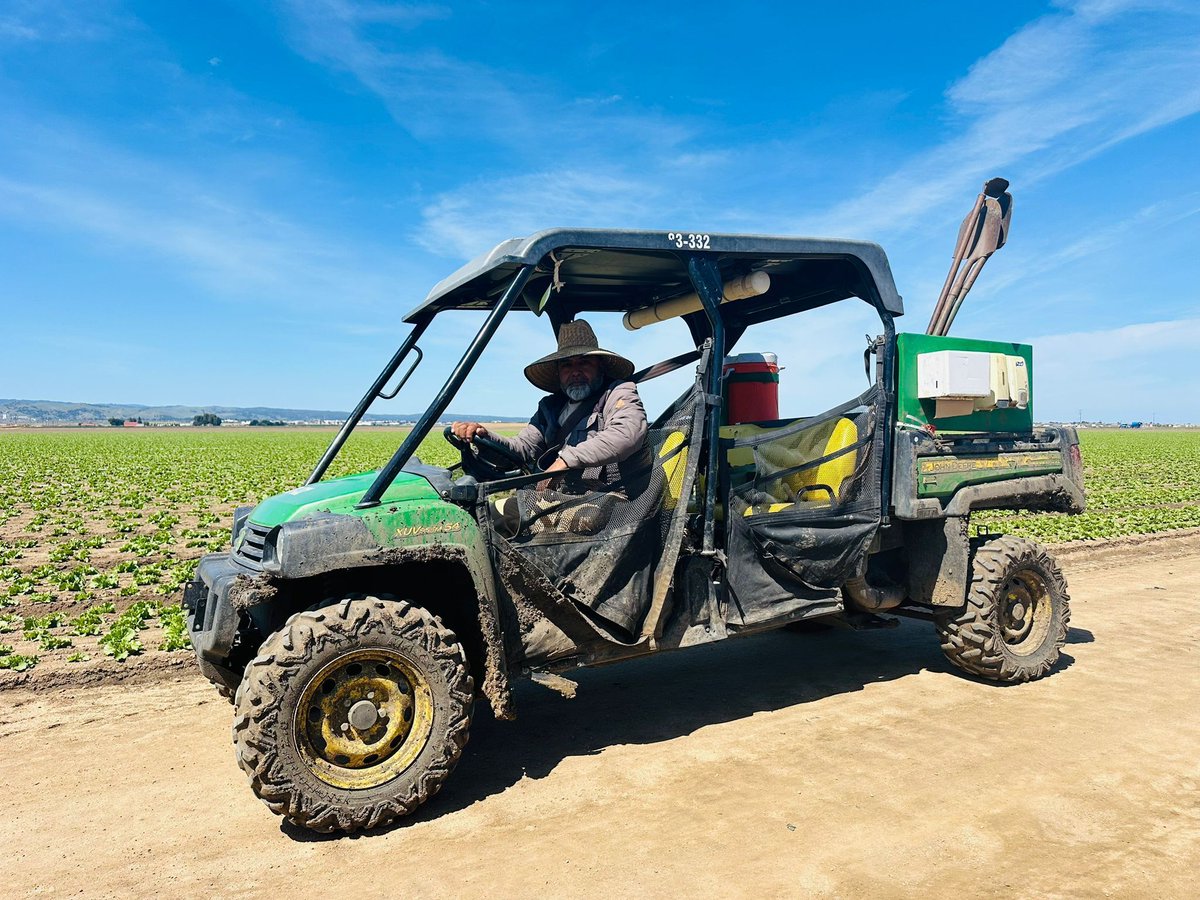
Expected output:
(599, 545)
(803, 504)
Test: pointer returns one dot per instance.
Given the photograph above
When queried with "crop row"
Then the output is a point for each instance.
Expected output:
(100, 529)
(1138, 482)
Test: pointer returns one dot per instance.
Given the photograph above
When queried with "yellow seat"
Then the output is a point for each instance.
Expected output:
(835, 436)
(674, 465)
(744, 456)
(810, 486)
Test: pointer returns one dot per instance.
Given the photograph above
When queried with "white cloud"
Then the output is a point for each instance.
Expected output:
(1060, 90)
(59, 22)
(434, 95)
(426, 91)
(1057, 92)
(16, 30)
(62, 180)
(1052, 257)
(1144, 341)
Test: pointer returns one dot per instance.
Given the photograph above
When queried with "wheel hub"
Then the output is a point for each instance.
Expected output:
(363, 715)
(363, 718)
(1024, 612)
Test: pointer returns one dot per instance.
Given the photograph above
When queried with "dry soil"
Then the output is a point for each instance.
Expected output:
(832, 764)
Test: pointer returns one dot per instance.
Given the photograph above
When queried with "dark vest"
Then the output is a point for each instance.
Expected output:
(630, 476)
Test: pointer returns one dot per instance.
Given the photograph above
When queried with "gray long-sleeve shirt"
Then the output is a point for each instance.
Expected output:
(613, 432)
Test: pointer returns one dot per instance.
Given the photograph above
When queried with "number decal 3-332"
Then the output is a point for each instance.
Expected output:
(691, 241)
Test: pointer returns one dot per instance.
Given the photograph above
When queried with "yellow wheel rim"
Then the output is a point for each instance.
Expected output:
(1025, 612)
(364, 718)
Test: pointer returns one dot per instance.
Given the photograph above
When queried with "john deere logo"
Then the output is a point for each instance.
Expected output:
(440, 528)
(1032, 460)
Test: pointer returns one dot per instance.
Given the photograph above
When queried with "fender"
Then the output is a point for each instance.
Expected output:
(939, 549)
(327, 543)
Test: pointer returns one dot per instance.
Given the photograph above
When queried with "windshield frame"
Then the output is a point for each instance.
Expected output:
(441, 401)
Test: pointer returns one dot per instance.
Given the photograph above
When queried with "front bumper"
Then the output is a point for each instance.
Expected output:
(211, 617)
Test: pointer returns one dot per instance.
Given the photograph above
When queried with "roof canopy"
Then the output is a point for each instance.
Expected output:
(624, 270)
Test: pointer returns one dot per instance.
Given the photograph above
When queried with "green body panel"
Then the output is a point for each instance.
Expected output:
(411, 513)
(910, 410)
(423, 522)
(941, 476)
(338, 495)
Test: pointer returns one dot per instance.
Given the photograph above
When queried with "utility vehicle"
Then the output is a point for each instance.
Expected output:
(356, 620)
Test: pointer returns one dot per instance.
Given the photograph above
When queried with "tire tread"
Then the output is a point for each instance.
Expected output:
(280, 658)
(970, 636)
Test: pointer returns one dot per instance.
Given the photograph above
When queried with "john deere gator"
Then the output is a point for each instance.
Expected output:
(356, 621)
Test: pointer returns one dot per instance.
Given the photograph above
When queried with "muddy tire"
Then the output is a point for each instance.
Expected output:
(1015, 619)
(353, 715)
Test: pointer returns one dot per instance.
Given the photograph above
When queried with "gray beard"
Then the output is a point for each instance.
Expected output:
(577, 392)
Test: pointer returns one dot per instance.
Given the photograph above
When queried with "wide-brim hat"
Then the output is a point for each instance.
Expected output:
(575, 339)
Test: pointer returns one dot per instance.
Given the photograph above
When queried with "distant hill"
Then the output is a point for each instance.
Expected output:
(55, 412)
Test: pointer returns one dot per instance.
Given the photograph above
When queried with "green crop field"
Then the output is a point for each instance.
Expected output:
(1138, 482)
(99, 528)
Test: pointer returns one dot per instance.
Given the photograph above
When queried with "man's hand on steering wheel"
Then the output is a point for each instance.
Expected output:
(483, 455)
(466, 431)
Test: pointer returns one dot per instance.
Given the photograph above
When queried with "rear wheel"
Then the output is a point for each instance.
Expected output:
(1014, 623)
(353, 715)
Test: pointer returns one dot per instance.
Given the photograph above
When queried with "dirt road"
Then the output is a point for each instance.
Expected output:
(841, 764)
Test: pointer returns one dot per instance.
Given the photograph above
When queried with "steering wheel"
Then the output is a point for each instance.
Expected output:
(487, 459)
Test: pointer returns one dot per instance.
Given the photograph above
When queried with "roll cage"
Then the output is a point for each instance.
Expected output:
(564, 273)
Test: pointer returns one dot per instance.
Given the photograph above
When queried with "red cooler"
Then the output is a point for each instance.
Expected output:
(751, 388)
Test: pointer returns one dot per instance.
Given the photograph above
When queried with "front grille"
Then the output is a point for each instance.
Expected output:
(253, 539)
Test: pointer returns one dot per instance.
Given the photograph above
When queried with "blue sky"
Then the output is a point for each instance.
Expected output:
(237, 203)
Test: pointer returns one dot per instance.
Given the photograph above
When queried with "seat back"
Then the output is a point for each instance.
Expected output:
(820, 485)
(673, 456)
(736, 457)
(840, 434)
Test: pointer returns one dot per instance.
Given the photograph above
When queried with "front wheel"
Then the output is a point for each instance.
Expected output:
(1015, 619)
(354, 714)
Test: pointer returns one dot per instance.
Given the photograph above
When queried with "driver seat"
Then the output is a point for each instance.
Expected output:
(673, 457)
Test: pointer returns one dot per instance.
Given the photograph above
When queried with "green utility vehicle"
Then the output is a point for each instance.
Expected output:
(356, 620)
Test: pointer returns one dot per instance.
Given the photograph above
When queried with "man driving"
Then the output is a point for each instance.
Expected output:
(592, 423)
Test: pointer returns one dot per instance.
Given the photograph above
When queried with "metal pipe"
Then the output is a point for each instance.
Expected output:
(752, 285)
(969, 273)
(983, 232)
(872, 599)
(364, 404)
(888, 354)
(706, 277)
(402, 455)
(391, 395)
(965, 232)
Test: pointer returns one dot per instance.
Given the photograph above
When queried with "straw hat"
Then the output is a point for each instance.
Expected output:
(575, 339)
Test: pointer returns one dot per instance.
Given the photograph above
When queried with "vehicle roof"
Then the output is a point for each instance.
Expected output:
(605, 270)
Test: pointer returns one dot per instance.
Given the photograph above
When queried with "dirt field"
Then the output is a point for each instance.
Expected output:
(832, 764)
